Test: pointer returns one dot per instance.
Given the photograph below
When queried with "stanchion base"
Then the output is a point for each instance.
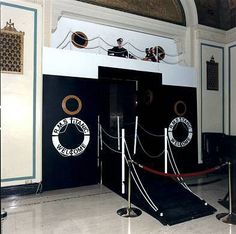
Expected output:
(129, 212)
(227, 218)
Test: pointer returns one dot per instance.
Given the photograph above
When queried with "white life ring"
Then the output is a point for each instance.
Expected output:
(171, 127)
(63, 151)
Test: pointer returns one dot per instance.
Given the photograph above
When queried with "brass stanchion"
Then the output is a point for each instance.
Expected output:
(129, 211)
(230, 217)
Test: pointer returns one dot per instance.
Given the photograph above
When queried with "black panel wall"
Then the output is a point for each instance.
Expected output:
(182, 102)
(66, 169)
(157, 106)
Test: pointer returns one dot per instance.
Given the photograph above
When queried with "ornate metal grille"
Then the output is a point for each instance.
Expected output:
(212, 75)
(11, 49)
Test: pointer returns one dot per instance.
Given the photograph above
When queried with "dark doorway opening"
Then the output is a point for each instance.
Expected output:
(133, 93)
(156, 106)
(127, 94)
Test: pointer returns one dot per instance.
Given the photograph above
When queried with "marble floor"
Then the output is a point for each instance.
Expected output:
(92, 209)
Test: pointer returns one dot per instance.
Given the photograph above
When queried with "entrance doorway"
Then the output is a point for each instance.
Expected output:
(126, 94)
(156, 106)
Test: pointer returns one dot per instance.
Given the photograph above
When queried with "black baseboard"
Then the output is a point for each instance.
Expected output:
(19, 190)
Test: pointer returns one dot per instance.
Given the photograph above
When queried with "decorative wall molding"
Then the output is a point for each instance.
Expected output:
(210, 34)
(231, 35)
(215, 35)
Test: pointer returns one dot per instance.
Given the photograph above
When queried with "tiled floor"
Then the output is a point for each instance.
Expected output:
(92, 209)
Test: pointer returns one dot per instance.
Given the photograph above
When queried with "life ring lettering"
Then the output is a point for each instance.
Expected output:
(63, 151)
(189, 128)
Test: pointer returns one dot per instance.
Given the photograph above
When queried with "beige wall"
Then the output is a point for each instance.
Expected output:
(212, 100)
(232, 87)
(21, 100)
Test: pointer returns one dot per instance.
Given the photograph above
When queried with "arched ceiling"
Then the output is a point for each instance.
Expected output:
(217, 13)
(214, 13)
(166, 10)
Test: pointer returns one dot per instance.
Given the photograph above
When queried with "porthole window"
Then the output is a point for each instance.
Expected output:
(180, 108)
(79, 39)
(161, 53)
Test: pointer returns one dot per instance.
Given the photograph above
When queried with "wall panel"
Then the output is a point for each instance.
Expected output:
(212, 100)
(232, 89)
(21, 100)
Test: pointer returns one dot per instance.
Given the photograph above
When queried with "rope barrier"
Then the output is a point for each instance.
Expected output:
(176, 171)
(140, 50)
(144, 192)
(128, 124)
(135, 56)
(114, 137)
(173, 164)
(174, 55)
(151, 134)
(117, 52)
(64, 39)
(100, 47)
(116, 151)
(172, 157)
(149, 155)
(174, 63)
(66, 45)
(180, 179)
(111, 45)
(193, 174)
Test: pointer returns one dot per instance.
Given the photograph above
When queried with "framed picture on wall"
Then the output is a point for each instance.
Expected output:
(212, 75)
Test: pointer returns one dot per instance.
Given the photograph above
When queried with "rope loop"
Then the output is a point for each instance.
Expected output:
(193, 174)
(114, 137)
(149, 155)
(116, 151)
(111, 45)
(150, 133)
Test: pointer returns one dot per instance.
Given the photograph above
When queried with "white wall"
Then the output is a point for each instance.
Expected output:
(21, 96)
(79, 64)
(110, 34)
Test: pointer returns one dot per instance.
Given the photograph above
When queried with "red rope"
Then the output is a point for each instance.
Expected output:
(181, 175)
